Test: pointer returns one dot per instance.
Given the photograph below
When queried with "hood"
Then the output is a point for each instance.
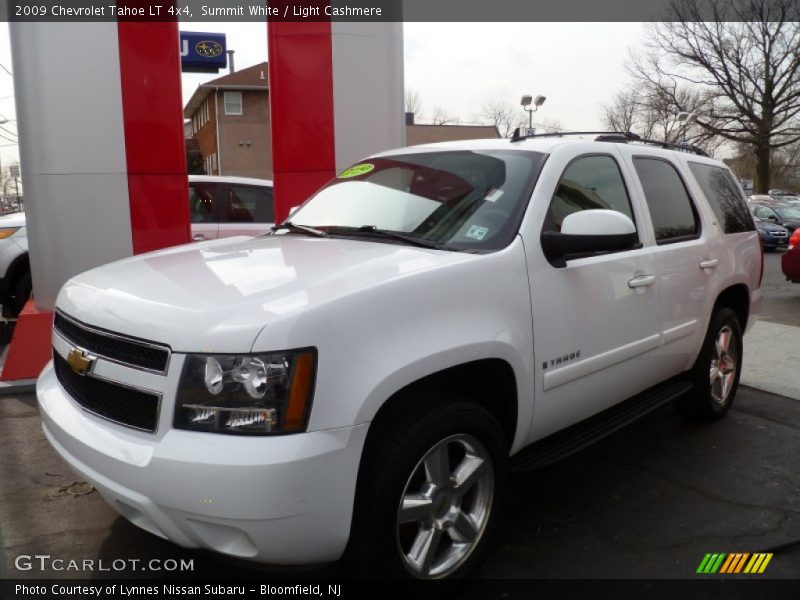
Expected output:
(13, 220)
(217, 296)
(768, 226)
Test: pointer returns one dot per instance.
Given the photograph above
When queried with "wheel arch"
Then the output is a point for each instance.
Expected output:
(18, 267)
(737, 298)
(489, 382)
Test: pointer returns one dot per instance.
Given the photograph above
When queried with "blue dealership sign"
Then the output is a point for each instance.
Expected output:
(202, 52)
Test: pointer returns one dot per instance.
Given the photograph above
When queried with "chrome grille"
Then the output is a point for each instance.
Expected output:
(110, 400)
(142, 354)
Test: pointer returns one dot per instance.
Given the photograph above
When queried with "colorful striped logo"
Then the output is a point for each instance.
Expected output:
(735, 563)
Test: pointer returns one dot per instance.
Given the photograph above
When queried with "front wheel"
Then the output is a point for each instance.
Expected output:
(717, 369)
(428, 495)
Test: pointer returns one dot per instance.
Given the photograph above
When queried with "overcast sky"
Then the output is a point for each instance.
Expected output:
(457, 66)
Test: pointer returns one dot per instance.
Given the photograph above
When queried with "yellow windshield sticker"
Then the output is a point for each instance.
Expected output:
(357, 170)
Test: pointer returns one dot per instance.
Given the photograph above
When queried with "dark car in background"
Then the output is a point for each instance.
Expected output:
(772, 235)
(781, 214)
(790, 262)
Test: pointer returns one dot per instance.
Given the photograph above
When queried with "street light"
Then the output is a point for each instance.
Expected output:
(686, 118)
(526, 106)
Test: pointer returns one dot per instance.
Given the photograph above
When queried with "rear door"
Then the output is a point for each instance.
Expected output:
(686, 265)
(246, 210)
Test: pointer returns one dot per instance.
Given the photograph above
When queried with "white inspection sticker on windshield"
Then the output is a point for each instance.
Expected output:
(476, 232)
(493, 195)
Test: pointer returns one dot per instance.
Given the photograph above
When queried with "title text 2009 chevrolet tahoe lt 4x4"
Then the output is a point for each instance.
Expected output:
(359, 382)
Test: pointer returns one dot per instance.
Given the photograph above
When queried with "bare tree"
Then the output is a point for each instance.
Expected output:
(623, 112)
(741, 59)
(441, 117)
(502, 115)
(649, 112)
(413, 103)
(549, 126)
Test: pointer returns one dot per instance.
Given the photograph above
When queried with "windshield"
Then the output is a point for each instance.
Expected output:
(462, 200)
(787, 212)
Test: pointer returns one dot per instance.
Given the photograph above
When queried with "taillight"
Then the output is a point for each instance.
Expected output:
(795, 239)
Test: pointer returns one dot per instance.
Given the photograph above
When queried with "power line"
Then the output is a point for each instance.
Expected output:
(6, 70)
(7, 131)
(8, 139)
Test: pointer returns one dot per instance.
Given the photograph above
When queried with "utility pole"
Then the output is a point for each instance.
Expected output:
(13, 170)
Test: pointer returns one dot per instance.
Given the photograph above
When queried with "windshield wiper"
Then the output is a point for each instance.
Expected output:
(374, 232)
(299, 229)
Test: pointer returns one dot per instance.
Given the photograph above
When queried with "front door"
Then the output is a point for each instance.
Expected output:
(595, 319)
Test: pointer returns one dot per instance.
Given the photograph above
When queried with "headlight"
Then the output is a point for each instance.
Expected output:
(6, 232)
(252, 394)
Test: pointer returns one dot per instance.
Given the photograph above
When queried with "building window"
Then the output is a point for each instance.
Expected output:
(233, 103)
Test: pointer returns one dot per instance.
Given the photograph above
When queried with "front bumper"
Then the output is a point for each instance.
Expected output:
(279, 500)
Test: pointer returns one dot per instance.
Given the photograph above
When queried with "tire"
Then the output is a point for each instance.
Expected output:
(715, 374)
(416, 461)
(20, 293)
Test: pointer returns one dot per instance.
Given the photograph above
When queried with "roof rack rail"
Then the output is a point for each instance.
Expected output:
(623, 137)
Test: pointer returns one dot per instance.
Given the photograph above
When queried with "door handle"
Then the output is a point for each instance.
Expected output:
(642, 281)
(198, 237)
(709, 263)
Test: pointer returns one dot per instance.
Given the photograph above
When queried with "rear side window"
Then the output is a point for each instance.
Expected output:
(671, 210)
(725, 197)
(249, 204)
(588, 182)
(202, 200)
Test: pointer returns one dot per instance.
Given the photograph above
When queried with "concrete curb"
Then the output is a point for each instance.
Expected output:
(15, 388)
(770, 359)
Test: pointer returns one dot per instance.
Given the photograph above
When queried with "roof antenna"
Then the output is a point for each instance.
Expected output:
(517, 137)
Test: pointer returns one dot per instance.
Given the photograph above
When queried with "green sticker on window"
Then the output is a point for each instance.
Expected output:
(357, 170)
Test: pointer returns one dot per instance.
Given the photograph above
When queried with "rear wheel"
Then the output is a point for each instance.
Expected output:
(717, 369)
(429, 493)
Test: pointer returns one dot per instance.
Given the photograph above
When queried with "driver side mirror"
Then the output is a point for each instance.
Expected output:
(588, 232)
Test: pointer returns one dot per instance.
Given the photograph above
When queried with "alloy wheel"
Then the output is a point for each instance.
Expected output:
(445, 506)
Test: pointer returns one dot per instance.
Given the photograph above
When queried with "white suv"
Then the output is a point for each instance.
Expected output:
(359, 382)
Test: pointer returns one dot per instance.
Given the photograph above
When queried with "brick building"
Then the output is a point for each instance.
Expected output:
(228, 125)
(229, 119)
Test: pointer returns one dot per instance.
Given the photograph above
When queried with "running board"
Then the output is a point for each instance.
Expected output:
(584, 433)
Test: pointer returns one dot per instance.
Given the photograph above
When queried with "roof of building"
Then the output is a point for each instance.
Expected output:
(251, 78)
(426, 134)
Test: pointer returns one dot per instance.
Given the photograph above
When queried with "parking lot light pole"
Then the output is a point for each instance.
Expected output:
(531, 105)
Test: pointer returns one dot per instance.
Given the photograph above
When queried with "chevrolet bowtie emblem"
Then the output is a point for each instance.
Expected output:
(80, 361)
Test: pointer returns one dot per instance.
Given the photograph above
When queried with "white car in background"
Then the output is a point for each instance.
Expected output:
(219, 207)
(15, 270)
(222, 207)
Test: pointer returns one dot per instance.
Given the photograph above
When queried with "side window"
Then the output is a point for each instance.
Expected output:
(588, 182)
(671, 209)
(202, 199)
(233, 103)
(725, 197)
(762, 212)
(249, 204)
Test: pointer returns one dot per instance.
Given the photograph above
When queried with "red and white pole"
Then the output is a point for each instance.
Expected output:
(100, 120)
(336, 95)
